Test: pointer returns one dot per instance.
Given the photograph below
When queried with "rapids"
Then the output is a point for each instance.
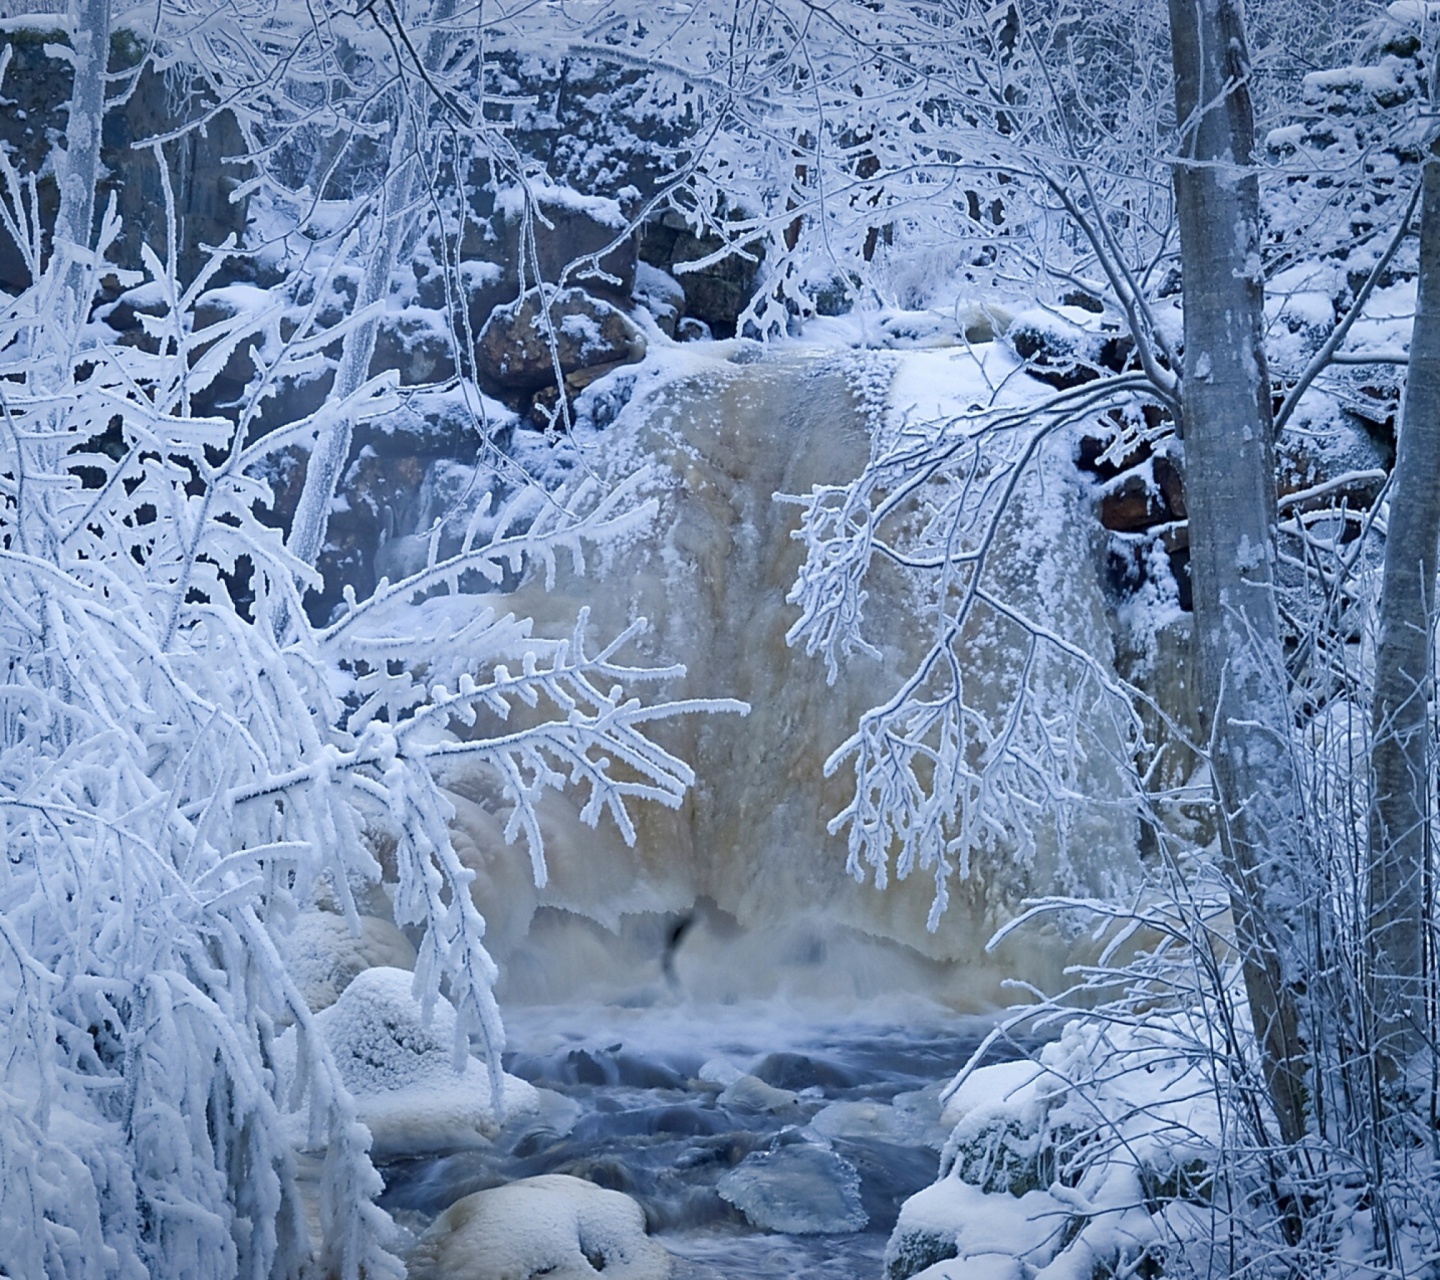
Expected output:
(636, 1100)
(723, 1021)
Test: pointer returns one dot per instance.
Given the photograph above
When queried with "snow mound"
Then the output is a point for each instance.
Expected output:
(554, 1226)
(324, 954)
(1098, 1157)
(749, 1093)
(401, 1070)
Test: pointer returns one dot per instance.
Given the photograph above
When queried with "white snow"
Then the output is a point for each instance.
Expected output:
(324, 953)
(401, 1069)
(512, 201)
(553, 1226)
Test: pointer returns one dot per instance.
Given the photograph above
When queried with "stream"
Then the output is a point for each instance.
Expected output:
(762, 1140)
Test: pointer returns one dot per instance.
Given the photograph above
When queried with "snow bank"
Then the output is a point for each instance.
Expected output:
(1096, 1154)
(554, 1226)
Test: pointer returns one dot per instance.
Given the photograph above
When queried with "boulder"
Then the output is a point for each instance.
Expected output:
(569, 227)
(400, 1068)
(572, 239)
(661, 295)
(715, 294)
(416, 344)
(747, 1093)
(515, 350)
(555, 1226)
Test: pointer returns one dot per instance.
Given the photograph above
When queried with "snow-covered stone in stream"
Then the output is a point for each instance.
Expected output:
(800, 1189)
(984, 1266)
(997, 1115)
(324, 954)
(915, 1123)
(554, 1226)
(401, 1069)
(721, 1071)
(1091, 1160)
(747, 1093)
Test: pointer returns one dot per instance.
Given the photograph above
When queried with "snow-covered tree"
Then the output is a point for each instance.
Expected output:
(1186, 285)
(186, 757)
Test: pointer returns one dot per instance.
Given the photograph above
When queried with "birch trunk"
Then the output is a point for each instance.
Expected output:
(1399, 884)
(1230, 492)
(77, 167)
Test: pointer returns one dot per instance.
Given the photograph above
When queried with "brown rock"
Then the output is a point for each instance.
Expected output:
(1129, 505)
(567, 229)
(545, 404)
(1172, 485)
(516, 351)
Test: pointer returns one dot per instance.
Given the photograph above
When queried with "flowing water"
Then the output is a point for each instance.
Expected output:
(725, 1024)
(824, 1110)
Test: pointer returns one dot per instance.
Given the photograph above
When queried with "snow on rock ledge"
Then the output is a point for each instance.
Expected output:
(554, 1226)
(402, 1073)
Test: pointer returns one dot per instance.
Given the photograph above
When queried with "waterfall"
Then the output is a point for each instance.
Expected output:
(742, 891)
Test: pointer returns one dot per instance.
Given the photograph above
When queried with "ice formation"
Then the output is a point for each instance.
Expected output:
(764, 902)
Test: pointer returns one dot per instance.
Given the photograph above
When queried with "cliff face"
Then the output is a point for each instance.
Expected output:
(149, 104)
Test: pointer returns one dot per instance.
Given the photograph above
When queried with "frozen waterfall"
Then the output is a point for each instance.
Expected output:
(742, 891)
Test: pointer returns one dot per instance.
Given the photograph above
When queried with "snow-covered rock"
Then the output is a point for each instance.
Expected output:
(953, 1220)
(748, 1093)
(997, 1115)
(1093, 1160)
(800, 1188)
(565, 228)
(661, 295)
(514, 348)
(323, 953)
(401, 1069)
(554, 1226)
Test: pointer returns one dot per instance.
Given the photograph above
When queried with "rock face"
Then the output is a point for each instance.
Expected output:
(554, 1226)
(515, 349)
(567, 228)
(714, 295)
(201, 177)
(552, 234)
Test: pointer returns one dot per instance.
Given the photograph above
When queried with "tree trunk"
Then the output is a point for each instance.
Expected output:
(1400, 766)
(332, 448)
(77, 167)
(1230, 492)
